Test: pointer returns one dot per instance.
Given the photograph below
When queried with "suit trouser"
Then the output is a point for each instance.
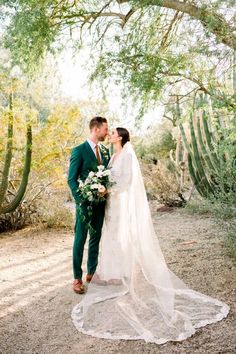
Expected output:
(81, 231)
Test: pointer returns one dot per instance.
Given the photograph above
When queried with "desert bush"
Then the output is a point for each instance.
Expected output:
(161, 184)
(163, 179)
(23, 215)
(224, 214)
(42, 205)
(53, 211)
(156, 143)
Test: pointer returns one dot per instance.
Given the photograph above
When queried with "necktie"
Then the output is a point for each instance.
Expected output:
(98, 155)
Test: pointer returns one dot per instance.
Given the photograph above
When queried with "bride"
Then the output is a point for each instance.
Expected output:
(137, 296)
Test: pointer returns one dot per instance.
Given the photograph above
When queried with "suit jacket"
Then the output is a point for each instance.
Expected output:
(83, 161)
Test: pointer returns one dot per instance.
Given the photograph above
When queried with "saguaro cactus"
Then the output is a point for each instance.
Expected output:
(203, 162)
(179, 160)
(5, 205)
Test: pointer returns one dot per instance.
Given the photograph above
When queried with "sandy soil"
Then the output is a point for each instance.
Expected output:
(36, 296)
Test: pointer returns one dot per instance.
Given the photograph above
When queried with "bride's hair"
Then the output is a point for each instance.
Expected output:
(124, 134)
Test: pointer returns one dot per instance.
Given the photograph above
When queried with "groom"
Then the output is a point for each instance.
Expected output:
(85, 158)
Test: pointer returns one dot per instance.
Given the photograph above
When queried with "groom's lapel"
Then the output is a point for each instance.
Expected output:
(90, 152)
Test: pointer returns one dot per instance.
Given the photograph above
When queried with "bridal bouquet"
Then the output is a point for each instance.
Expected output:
(92, 189)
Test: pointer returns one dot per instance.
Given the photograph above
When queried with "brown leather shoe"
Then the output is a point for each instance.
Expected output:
(94, 278)
(89, 278)
(78, 286)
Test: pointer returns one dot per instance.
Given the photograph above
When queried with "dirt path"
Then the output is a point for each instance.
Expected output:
(36, 296)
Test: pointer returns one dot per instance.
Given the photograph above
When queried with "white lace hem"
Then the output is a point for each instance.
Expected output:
(147, 337)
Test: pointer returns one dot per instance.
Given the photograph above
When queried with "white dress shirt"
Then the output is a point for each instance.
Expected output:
(93, 145)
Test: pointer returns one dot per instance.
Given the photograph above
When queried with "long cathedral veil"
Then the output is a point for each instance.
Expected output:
(148, 301)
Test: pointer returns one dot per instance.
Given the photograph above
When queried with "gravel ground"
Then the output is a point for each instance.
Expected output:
(36, 296)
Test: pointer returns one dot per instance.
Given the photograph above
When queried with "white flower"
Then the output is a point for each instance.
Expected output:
(111, 179)
(81, 184)
(90, 198)
(101, 189)
(101, 168)
(91, 174)
(99, 174)
(107, 173)
(89, 193)
(94, 186)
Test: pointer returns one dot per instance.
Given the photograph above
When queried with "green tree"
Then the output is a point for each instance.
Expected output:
(157, 45)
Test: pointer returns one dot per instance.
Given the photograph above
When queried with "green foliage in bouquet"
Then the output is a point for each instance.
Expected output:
(96, 184)
(93, 191)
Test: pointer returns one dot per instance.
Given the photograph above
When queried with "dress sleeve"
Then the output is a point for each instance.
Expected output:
(123, 176)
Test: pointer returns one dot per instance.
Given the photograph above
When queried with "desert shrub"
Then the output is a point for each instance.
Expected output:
(53, 211)
(42, 205)
(23, 215)
(162, 180)
(199, 206)
(224, 214)
(161, 183)
(156, 143)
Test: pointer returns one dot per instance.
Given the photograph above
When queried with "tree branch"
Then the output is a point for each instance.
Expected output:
(92, 15)
(212, 21)
(201, 87)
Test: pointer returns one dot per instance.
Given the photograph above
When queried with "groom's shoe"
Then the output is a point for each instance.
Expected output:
(89, 278)
(94, 278)
(78, 286)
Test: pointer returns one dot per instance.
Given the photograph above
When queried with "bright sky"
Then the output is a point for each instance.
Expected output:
(74, 79)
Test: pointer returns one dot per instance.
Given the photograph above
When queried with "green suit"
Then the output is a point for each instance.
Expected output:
(82, 161)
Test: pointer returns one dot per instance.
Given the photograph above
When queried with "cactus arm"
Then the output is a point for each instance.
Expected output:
(175, 165)
(204, 151)
(183, 167)
(24, 180)
(193, 175)
(208, 137)
(8, 156)
(185, 141)
(192, 166)
(198, 161)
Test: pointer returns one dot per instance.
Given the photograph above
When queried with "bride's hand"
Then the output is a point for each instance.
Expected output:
(102, 194)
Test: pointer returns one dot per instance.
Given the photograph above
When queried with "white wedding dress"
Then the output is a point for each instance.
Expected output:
(142, 298)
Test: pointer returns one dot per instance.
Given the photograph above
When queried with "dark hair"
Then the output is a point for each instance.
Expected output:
(124, 134)
(97, 122)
